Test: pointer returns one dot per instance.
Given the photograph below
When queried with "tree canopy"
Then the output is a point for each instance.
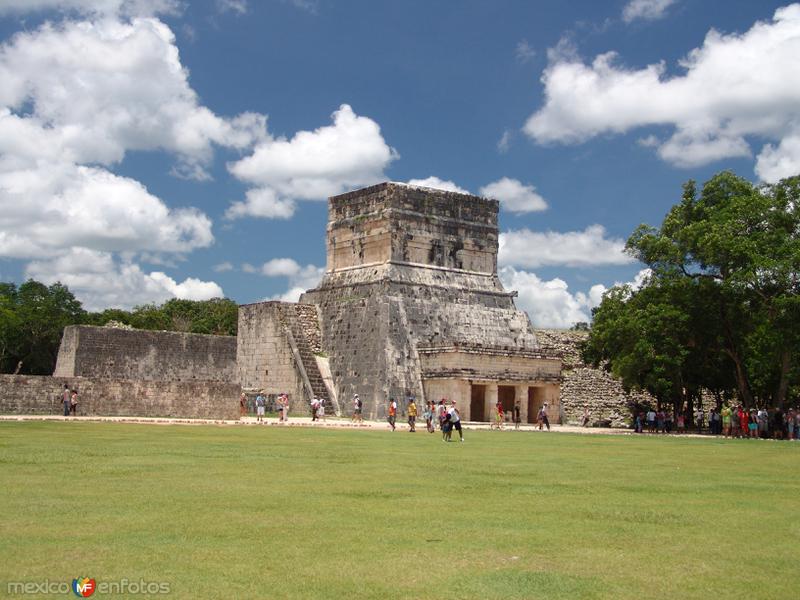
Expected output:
(33, 317)
(721, 307)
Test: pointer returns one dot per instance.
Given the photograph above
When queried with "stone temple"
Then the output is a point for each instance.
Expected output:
(410, 304)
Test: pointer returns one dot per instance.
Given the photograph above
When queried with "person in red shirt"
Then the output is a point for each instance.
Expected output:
(744, 420)
(498, 416)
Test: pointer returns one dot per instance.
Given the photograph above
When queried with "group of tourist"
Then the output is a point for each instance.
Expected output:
(317, 409)
(70, 400)
(259, 403)
(730, 421)
(448, 417)
(542, 418)
(443, 415)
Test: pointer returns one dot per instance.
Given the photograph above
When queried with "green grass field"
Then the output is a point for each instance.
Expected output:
(269, 512)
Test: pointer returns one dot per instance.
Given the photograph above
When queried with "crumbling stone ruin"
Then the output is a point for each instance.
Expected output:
(123, 353)
(410, 305)
(583, 386)
(125, 372)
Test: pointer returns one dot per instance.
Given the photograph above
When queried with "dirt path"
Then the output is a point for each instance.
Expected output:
(330, 423)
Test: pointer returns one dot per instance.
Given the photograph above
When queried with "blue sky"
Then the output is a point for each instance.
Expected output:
(152, 149)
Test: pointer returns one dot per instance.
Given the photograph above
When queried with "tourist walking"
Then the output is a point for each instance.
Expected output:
(73, 403)
(314, 408)
(744, 421)
(585, 419)
(498, 416)
(412, 415)
(428, 414)
(242, 404)
(660, 421)
(357, 408)
(279, 406)
(763, 422)
(441, 412)
(727, 419)
(699, 417)
(260, 405)
(713, 421)
(543, 420)
(321, 409)
(392, 413)
(517, 416)
(66, 398)
(668, 420)
(651, 420)
(454, 418)
(285, 411)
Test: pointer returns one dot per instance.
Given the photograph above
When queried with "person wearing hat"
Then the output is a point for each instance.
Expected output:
(357, 408)
(260, 404)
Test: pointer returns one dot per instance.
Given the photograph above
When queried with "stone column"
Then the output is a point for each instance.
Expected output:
(521, 398)
(489, 401)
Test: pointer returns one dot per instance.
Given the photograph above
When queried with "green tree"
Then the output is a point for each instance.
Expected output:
(33, 318)
(653, 339)
(743, 241)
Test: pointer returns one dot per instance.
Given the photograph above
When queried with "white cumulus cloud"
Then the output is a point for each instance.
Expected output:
(134, 8)
(300, 278)
(223, 267)
(647, 10)
(312, 165)
(281, 267)
(47, 208)
(77, 96)
(735, 89)
(590, 247)
(438, 184)
(100, 281)
(514, 195)
(550, 303)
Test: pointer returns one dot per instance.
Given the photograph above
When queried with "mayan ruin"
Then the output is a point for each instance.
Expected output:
(410, 306)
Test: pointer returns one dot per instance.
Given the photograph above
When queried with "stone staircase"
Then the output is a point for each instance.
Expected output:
(301, 320)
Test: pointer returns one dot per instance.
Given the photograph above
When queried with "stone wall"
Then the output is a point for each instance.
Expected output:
(584, 386)
(409, 267)
(264, 356)
(402, 223)
(488, 364)
(112, 353)
(24, 394)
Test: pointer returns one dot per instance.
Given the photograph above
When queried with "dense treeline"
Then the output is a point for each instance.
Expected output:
(721, 308)
(33, 317)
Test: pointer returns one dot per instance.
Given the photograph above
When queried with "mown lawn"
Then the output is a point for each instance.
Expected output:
(269, 512)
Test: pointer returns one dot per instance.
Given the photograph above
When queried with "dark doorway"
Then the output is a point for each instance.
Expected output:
(535, 401)
(506, 394)
(477, 403)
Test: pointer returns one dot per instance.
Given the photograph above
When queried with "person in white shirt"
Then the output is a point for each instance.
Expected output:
(699, 417)
(455, 420)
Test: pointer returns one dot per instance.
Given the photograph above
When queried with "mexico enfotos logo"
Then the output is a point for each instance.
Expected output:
(83, 587)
